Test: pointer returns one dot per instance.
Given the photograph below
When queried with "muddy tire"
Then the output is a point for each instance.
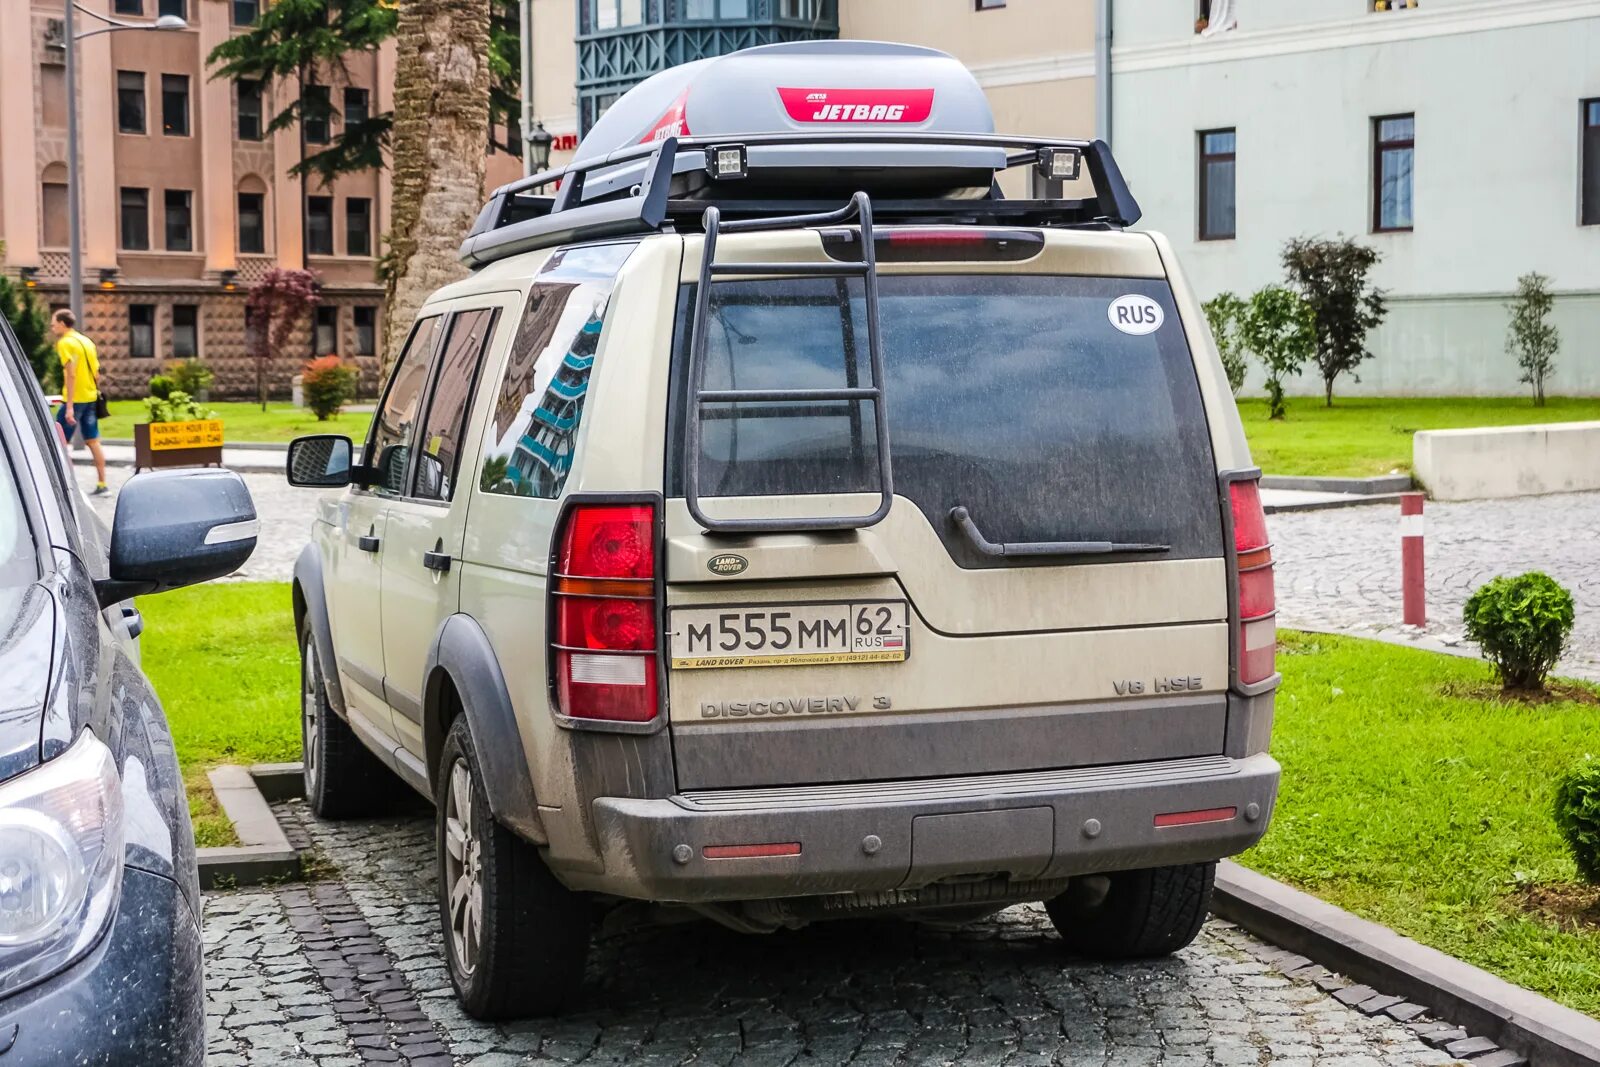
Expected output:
(1143, 914)
(343, 779)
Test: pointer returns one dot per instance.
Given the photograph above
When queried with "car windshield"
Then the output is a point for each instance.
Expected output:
(1023, 398)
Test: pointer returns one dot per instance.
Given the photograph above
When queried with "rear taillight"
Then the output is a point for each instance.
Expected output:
(604, 632)
(1258, 630)
(950, 244)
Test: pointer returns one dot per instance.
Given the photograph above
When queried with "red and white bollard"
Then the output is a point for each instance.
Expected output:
(1413, 593)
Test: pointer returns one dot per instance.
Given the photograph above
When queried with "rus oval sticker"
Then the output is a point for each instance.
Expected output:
(727, 563)
(1135, 313)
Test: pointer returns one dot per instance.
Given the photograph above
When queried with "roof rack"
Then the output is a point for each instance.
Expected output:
(520, 217)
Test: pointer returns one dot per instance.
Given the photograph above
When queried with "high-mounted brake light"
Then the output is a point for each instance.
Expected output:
(604, 632)
(1257, 597)
(950, 244)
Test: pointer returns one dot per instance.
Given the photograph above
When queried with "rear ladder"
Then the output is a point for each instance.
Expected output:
(860, 206)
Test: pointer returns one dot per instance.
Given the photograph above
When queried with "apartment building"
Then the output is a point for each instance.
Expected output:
(186, 198)
(1459, 138)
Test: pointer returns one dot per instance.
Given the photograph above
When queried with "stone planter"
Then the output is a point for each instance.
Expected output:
(177, 444)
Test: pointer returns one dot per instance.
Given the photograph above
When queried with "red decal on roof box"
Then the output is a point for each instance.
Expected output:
(857, 105)
(672, 123)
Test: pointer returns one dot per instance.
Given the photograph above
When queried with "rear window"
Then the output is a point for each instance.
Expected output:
(1014, 396)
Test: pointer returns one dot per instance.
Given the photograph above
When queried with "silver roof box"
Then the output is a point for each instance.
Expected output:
(821, 87)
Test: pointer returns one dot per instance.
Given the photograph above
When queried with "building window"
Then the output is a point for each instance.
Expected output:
(357, 226)
(357, 108)
(53, 95)
(811, 10)
(185, 331)
(988, 5)
(255, 334)
(179, 220)
(252, 223)
(136, 220)
(1215, 16)
(365, 320)
(610, 14)
(54, 202)
(717, 9)
(245, 12)
(1217, 184)
(319, 225)
(1394, 145)
(130, 101)
(248, 95)
(1591, 162)
(326, 341)
(142, 330)
(129, 7)
(175, 105)
(175, 8)
(314, 114)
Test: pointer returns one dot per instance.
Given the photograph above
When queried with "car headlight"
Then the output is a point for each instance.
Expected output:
(60, 861)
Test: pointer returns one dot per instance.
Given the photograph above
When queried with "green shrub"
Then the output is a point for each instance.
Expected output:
(1522, 624)
(176, 406)
(1578, 816)
(192, 376)
(329, 384)
(161, 386)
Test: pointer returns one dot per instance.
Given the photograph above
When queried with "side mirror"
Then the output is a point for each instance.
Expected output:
(320, 461)
(175, 528)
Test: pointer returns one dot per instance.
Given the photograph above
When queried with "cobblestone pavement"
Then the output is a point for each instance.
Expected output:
(1340, 570)
(348, 972)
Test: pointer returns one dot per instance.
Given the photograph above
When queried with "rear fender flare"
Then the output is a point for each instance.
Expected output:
(311, 610)
(462, 656)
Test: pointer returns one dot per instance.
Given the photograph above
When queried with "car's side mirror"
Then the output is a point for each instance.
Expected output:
(320, 461)
(175, 528)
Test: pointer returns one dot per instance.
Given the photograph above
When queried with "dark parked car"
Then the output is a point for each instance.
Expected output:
(100, 951)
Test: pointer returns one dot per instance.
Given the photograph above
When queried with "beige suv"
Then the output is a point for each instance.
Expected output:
(736, 542)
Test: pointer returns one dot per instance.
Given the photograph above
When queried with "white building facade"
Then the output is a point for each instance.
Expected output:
(1459, 138)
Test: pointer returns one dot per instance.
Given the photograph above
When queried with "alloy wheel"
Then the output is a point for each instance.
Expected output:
(463, 869)
(310, 717)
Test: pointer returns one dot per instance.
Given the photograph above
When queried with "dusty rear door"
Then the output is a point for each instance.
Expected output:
(1049, 588)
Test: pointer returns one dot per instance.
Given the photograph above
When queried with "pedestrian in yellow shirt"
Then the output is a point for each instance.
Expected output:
(80, 388)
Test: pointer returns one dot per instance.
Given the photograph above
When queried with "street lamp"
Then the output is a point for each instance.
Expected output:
(74, 239)
(541, 140)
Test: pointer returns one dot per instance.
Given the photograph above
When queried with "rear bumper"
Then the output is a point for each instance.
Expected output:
(877, 836)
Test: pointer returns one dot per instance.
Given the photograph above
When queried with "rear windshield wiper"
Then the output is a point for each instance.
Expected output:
(963, 518)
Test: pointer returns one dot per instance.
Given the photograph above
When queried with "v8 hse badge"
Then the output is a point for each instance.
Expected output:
(1136, 314)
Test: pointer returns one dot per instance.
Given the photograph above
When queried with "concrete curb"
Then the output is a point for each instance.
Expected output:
(1349, 500)
(1382, 484)
(1549, 1034)
(263, 853)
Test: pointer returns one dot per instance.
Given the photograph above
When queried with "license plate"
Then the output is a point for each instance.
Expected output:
(781, 635)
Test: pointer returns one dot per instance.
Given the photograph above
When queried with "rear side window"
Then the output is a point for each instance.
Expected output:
(394, 430)
(1048, 406)
(440, 443)
(532, 435)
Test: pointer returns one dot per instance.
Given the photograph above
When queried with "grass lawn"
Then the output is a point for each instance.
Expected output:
(1414, 798)
(1364, 436)
(223, 661)
(245, 421)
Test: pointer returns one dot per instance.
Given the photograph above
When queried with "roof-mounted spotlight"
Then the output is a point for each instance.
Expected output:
(727, 161)
(1060, 164)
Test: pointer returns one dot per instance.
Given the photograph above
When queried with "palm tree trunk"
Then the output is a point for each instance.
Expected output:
(441, 125)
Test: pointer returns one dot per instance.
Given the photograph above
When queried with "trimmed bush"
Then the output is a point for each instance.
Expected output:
(161, 386)
(1578, 816)
(329, 384)
(192, 376)
(1522, 624)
